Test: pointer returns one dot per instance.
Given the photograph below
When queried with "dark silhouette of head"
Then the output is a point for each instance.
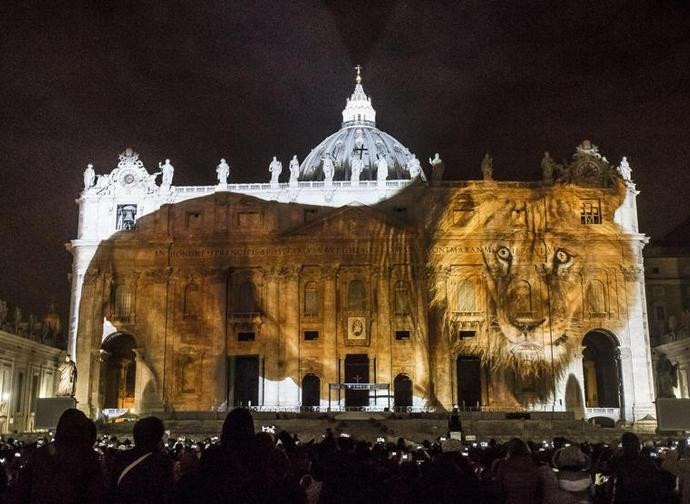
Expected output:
(73, 428)
(630, 443)
(516, 447)
(238, 429)
(148, 433)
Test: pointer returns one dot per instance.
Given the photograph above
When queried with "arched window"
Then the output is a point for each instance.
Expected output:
(356, 296)
(192, 301)
(523, 299)
(311, 300)
(247, 300)
(311, 391)
(188, 378)
(402, 391)
(401, 298)
(596, 297)
(467, 297)
(122, 301)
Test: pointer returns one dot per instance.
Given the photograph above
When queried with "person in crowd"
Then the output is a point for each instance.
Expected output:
(572, 483)
(227, 470)
(518, 476)
(636, 479)
(677, 462)
(65, 471)
(144, 474)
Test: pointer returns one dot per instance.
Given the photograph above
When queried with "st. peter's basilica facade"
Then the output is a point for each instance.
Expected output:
(354, 280)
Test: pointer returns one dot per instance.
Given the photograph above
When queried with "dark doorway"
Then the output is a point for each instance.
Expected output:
(246, 381)
(402, 390)
(469, 381)
(356, 371)
(311, 391)
(601, 368)
(120, 371)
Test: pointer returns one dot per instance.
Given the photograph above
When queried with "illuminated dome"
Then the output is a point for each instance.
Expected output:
(358, 138)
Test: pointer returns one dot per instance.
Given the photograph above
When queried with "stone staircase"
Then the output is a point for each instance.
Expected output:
(416, 427)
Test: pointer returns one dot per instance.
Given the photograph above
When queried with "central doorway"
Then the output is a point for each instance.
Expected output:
(356, 371)
(469, 381)
(601, 369)
(246, 389)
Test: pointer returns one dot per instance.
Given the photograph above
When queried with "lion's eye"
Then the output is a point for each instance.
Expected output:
(503, 253)
(562, 256)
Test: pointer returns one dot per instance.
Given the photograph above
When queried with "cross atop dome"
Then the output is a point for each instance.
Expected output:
(358, 110)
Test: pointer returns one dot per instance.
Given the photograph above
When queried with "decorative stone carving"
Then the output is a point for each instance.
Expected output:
(275, 168)
(168, 171)
(381, 171)
(89, 177)
(294, 171)
(487, 167)
(223, 172)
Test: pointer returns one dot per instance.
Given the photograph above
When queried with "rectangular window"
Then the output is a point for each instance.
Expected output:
(311, 335)
(126, 217)
(655, 270)
(660, 313)
(402, 335)
(194, 220)
(463, 335)
(309, 214)
(590, 212)
(246, 336)
(249, 219)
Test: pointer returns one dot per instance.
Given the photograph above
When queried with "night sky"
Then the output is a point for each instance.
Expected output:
(196, 81)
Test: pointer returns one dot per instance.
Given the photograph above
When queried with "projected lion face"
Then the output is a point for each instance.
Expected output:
(532, 301)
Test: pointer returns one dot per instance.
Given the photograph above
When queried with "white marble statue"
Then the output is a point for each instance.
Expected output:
(356, 167)
(625, 170)
(276, 168)
(294, 171)
(328, 168)
(168, 171)
(67, 376)
(381, 171)
(89, 177)
(414, 167)
(223, 172)
(437, 167)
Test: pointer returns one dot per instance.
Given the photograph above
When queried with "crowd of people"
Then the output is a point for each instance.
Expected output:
(244, 466)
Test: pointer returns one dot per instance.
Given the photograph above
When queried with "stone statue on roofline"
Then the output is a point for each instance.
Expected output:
(223, 172)
(356, 167)
(294, 171)
(487, 167)
(624, 170)
(275, 168)
(548, 166)
(89, 177)
(328, 168)
(414, 167)
(381, 171)
(168, 171)
(437, 168)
